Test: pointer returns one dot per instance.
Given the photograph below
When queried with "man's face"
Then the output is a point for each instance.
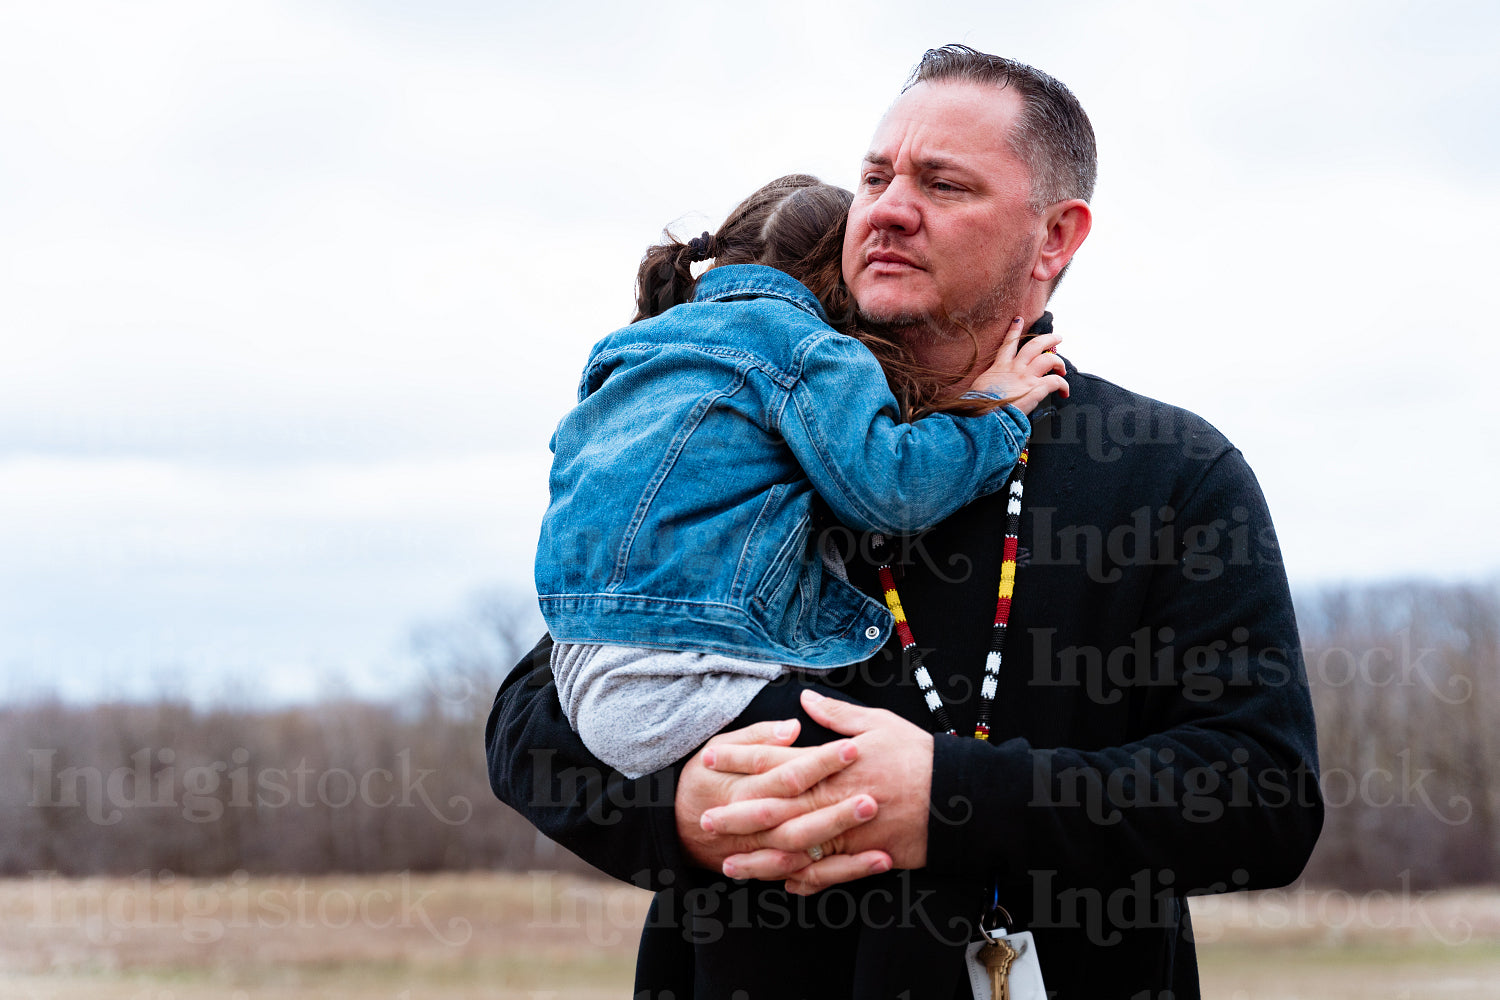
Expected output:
(940, 231)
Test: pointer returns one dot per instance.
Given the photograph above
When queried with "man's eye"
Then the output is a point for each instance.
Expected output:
(944, 186)
(871, 180)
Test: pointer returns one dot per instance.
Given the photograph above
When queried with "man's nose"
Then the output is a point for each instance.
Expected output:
(896, 208)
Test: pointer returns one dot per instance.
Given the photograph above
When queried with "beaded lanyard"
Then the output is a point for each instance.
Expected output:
(991, 682)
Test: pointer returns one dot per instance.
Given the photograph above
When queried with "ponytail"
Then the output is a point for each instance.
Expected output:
(664, 280)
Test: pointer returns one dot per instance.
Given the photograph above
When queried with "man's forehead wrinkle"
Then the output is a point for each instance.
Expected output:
(915, 144)
(935, 162)
(940, 163)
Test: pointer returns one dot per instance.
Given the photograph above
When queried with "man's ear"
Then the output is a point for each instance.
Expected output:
(1067, 225)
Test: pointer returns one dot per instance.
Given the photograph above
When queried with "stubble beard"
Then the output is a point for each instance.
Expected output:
(925, 329)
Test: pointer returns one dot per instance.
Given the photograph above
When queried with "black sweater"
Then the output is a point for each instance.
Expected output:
(1152, 736)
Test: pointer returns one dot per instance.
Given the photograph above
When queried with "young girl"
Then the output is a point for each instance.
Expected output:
(675, 568)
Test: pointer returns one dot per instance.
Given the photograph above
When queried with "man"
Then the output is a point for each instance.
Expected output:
(1149, 733)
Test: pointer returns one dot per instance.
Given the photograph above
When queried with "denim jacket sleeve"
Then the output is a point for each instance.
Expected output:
(876, 473)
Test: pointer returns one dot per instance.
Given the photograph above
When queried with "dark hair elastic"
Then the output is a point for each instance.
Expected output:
(702, 247)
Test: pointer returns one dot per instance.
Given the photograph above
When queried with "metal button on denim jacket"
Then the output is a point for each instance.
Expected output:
(682, 483)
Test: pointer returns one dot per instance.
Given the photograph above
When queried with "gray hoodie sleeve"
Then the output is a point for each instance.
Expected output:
(639, 709)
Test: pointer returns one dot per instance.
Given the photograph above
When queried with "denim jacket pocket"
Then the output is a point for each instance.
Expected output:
(773, 548)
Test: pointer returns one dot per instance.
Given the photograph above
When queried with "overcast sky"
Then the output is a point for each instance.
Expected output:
(293, 294)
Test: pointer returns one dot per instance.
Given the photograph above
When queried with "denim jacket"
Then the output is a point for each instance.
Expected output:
(682, 483)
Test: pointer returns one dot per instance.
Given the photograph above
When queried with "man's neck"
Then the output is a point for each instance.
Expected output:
(953, 352)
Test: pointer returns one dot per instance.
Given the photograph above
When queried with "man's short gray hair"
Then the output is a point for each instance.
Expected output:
(1052, 134)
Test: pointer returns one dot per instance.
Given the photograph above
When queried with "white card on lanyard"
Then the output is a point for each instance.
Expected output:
(1024, 978)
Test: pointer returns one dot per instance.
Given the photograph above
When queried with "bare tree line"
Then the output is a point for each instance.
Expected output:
(1406, 686)
(333, 787)
(1405, 681)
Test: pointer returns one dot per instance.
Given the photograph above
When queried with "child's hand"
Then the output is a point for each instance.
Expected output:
(1024, 373)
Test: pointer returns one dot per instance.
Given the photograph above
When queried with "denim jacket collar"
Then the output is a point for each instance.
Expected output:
(738, 281)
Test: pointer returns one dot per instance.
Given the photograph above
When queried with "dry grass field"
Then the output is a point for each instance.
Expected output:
(541, 936)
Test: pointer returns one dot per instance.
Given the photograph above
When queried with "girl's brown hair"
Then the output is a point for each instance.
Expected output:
(796, 224)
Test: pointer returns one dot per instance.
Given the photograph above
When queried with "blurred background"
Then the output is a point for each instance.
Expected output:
(293, 295)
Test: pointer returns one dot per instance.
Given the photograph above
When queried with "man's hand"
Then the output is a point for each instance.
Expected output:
(780, 819)
(893, 768)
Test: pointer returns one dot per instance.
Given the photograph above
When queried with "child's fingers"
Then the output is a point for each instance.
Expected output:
(1011, 339)
(1006, 360)
(1045, 364)
(1053, 383)
(1046, 385)
(1038, 345)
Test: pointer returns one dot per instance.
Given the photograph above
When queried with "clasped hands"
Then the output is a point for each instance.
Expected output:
(750, 805)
